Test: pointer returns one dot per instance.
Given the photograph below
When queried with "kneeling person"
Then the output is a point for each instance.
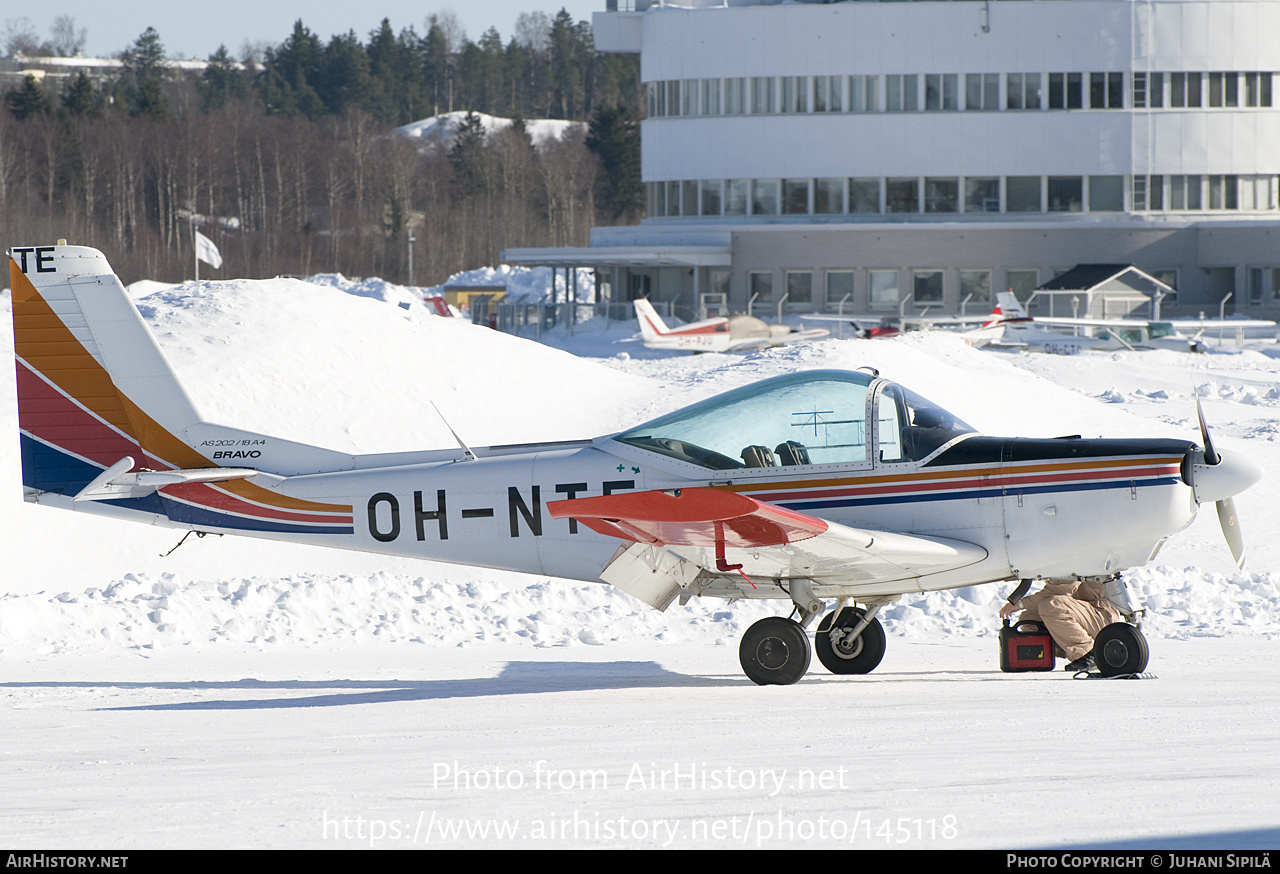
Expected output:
(1073, 612)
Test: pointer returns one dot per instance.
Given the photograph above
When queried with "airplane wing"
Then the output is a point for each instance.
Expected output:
(724, 532)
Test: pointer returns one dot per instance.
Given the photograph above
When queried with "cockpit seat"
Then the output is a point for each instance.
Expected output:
(758, 456)
(792, 453)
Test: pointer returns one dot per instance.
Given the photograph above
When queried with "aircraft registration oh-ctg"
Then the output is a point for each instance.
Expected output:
(806, 488)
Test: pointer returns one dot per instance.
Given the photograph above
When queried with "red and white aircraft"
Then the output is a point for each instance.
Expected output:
(723, 334)
(809, 487)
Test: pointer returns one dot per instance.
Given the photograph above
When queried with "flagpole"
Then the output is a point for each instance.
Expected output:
(195, 247)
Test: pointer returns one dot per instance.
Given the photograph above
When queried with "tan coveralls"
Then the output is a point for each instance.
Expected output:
(1074, 613)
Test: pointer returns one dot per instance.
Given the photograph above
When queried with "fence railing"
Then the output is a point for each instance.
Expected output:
(532, 319)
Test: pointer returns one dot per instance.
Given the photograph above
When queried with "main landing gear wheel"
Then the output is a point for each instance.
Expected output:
(775, 652)
(1120, 649)
(857, 656)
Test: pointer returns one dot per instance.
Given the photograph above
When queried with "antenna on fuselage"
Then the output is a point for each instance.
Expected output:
(468, 455)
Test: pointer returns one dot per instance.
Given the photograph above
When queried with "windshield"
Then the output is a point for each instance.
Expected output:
(810, 418)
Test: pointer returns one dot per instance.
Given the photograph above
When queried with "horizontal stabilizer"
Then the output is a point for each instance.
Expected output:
(116, 482)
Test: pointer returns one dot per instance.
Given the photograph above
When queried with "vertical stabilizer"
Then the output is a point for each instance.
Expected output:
(92, 382)
(102, 414)
(652, 328)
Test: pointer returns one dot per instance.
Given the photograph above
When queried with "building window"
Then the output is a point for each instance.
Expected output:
(1022, 194)
(764, 196)
(839, 286)
(1256, 286)
(1066, 194)
(1257, 192)
(1257, 89)
(1022, 91)
(1106, 90)
(982, 91)
(941, 92)
(882, 289)
(762, 100)
(689, 97)
(673, 97)
(1185, 90)
(826, 94)
(795, 196)
(1224, 192)
(864, 93)
(1224, 89)
(711, 196)
(799, 286)
(710, 96)
(1184, 193)
(735, 96)
(760, 286)
(690, 193)
(1066, 91)
(975, 286)
(828, 196)
(981, 195)
(1021, 282)
(795, 94)
(864, 196)
(673, 198)
(901, 93)
(941, 195)
(1106, 194)
(736, 192)
(901, 195)
(927, 286)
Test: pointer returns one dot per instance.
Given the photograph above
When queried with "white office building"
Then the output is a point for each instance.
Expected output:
(910, 156)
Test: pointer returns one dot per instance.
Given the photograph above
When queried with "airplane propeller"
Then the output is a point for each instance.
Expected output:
(1218, 478)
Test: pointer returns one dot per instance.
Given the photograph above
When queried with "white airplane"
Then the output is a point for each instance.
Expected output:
(1010, 327)
(804, 488)
(723, 334)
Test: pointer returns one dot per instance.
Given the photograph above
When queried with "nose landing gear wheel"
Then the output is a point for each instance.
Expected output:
(858, 656)
(775, 652)
(1120, 649)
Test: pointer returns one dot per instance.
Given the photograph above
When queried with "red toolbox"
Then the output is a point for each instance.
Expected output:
(1025, 646)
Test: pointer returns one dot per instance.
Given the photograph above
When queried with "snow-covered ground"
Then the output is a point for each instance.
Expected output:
(241, 693)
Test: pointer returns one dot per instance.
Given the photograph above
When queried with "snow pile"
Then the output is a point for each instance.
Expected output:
(404, 296)
(439, 130)
(524, 284)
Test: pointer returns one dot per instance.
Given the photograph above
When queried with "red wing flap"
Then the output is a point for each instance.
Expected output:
(688, 517)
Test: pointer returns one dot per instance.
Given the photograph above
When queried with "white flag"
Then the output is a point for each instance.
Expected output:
(207, 252)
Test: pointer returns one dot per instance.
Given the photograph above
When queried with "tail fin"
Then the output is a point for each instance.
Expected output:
(1008, 307)
(651, 325)
(95, 390)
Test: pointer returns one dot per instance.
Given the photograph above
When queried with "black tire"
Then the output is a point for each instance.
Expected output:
(775, 652)
(860, 657)
(1120, 649)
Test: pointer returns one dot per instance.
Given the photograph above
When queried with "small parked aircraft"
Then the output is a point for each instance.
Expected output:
(1010, 327)
(723, 334)
(803, 488)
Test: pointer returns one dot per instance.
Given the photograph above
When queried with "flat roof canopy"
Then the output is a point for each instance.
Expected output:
(621, 256)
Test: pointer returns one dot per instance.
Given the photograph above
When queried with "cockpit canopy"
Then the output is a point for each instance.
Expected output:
(818, 417)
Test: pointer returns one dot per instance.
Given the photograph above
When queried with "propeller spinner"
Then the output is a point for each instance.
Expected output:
(1218, 478)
